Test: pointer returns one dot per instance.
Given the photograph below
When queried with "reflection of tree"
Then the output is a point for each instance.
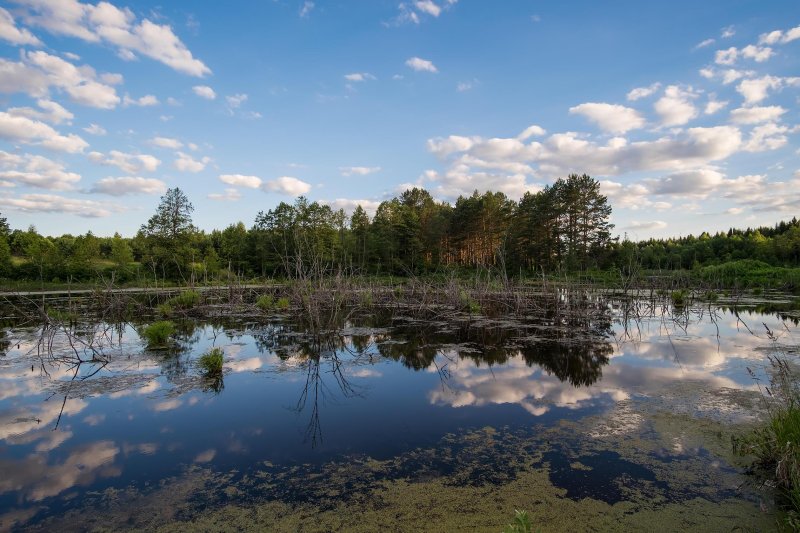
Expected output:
(581, 363)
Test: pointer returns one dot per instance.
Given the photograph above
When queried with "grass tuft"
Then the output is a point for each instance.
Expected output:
(158, 333)
(211, 362)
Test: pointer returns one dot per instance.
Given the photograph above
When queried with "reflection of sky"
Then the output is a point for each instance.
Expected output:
(163, 418)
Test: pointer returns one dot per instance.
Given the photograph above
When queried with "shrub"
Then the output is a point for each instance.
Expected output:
(185, 300)
(159, 332)
(265, 302)
(282, 303)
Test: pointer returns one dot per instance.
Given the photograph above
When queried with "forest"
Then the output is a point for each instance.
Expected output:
(563, 228)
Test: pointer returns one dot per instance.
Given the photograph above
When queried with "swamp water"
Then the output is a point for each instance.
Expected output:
(616, 415)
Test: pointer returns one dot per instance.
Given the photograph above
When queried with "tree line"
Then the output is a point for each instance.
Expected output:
(563, 228)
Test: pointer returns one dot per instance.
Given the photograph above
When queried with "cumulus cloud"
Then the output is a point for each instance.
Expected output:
(349, 205)
(128, 185)
(767, 137)
(287, 185)
(186, 163)
(48, 111)
(757, 89)
(94, 129)
(358, 171)
(756, 115)
(24, 130)
(306, 8)
(421, 65)
(130, 163)
(14, 35)
(106, 23)
(50, 203)
(780, 36)
(39, 71)
(36, 171)
(427, 6)
(643, 92)
(713, 105)
(612, 118)
(230, 195)
(646, 225)
(166, 142)
(239, 180)
(204, 91)
(147, 100)
(235, 101)
(675, 107)
(726, 57)
(359, 76)
(698, 183)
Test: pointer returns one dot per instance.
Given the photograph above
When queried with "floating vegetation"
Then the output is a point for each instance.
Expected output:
(211, 362)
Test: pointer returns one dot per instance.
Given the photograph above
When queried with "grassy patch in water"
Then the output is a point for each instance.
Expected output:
(158, 333)
(211, 362)
(265, 302)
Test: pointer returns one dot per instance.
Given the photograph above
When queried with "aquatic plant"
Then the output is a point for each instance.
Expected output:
(158, 333)
(265, 302)
(521, 523)
(776, 445)
(679, 297)
(282, 303)
(185, 300)
(211, 362)
(468, 303)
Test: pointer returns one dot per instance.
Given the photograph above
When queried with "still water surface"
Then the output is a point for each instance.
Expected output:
(380, 388)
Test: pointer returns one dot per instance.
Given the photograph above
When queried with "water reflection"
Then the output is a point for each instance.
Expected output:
(374, 383)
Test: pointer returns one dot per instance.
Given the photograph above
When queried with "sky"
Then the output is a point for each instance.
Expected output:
(685, 111)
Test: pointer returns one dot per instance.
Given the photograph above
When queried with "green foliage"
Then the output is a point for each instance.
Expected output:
(265, 302)
(775, 447)
(282, 303)
(468, 303)
(185, 300)
(679, 298)
(521, 523)
(211, 362)
(158, 333)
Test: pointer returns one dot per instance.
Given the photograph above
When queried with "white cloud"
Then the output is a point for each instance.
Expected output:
(697, 183)
(421, 65)
(358, 171)
(50, 203)
(94, 129)
(27, 131)
(287, 185)
(38, 71)
(757, 53)
(349, 205)
(767, 137)
(37, 171)
(130, 163)
(757, 89)
(186, 163)
(531, 131)
(612, 118)
(713, 105)
(145, 101)
(726, 57)
(728, 32)
(675, 107)
(637, 225)
(204, 91)
(703, 44)
(779, 36)
(235, 101)
(166, 142)
(359, 76)
(306, 9)
(18, 36)
(755, 115)
(50, 112)
(427, 6)
(239, 180)
(105, 22)
(230, 195)
(129, 185)
(643, 92)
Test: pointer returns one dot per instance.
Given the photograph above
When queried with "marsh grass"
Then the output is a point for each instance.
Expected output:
(158, 333)
(265, 302)
(775, 446)
(211, 362)
(521, 523)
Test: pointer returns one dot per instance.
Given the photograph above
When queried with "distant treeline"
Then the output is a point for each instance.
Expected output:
(563, 228)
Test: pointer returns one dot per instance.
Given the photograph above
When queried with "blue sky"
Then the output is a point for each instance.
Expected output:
(685, 111)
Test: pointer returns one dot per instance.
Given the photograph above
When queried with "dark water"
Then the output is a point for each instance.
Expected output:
(378, 385)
